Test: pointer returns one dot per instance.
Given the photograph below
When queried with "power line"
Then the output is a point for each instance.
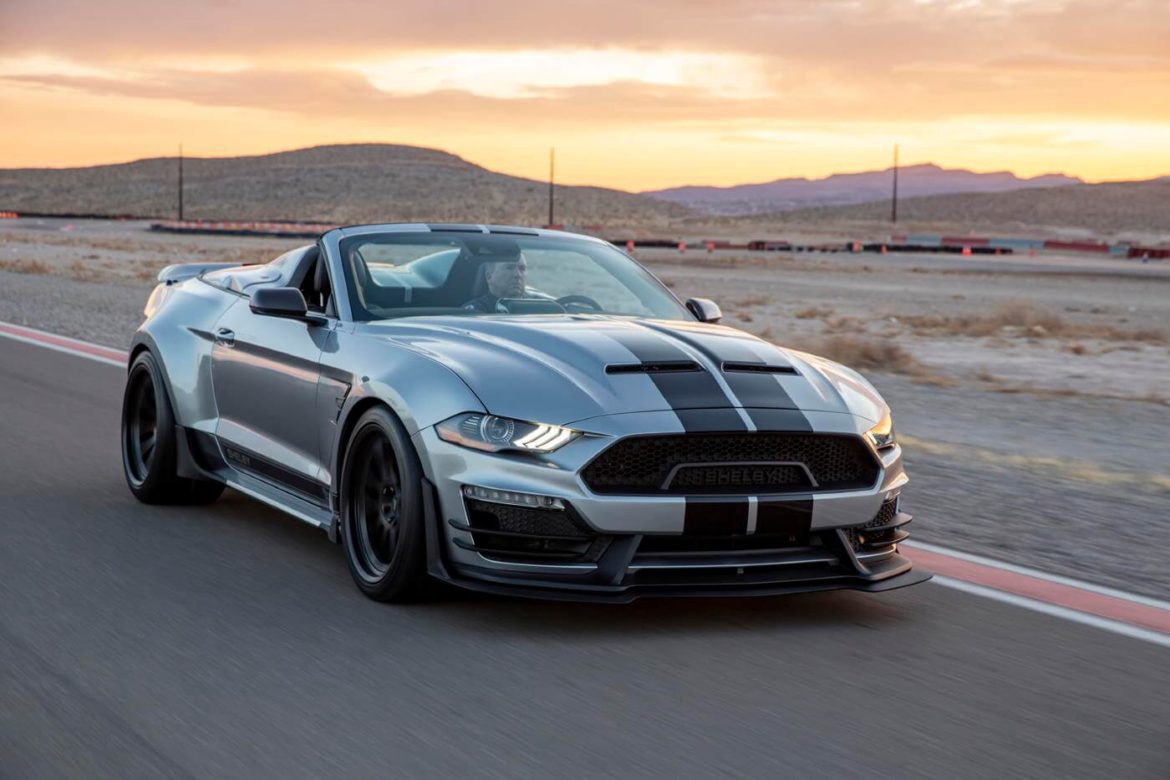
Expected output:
(552, 158)
(180, 182)
(894, 206)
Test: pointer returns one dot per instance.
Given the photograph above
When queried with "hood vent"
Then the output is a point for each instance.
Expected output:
(652, 368)
(758, 368)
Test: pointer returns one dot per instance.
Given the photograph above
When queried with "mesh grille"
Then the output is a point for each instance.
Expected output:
(884, 516)
(510, 532)
(642, 464)
(522, 520)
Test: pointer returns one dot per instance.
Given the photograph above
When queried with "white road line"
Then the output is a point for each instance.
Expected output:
(1040, 575)
(1124, 629)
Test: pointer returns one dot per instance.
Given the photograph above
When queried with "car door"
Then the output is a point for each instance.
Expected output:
(264, 373)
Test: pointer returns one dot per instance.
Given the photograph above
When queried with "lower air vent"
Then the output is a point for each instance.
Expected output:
(883, 530)
(509, 532)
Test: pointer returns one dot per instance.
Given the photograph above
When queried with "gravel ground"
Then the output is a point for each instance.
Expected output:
(1019, 447)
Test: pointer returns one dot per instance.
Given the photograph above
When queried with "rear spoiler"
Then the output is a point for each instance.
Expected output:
(173, 274)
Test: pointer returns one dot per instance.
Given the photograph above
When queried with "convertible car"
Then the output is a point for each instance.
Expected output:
(520, 411)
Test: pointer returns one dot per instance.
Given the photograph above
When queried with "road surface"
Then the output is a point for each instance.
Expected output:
(228, 641)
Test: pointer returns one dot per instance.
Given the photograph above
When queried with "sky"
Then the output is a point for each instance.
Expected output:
(635, 95)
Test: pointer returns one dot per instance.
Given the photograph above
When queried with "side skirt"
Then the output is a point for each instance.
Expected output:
(200, 456)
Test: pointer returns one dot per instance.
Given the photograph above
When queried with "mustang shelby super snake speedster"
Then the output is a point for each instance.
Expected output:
(512, 410)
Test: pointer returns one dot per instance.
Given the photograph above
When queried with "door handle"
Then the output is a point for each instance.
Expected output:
(225, 337)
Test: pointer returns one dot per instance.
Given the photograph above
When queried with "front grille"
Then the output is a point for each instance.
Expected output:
(511, 532)
(734, 463)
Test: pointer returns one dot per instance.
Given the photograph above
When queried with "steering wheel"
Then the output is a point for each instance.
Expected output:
(579, 300)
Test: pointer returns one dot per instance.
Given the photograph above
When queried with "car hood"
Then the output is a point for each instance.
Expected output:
(564, 369)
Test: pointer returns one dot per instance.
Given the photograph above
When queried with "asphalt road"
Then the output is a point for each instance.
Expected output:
(228, 641)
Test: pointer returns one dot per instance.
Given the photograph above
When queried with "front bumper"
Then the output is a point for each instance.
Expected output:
(631, 546)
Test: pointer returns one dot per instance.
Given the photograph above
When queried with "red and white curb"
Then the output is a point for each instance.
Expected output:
(1127, 614)
(85, 349)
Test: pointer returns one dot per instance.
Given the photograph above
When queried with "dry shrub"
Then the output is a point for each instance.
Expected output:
(1019, 318)
(25, 266)
(1155, 335)
(1013, 314)
(844, 325)
(753, 300)
(113, 244)
(867, 354)
(744, 316)
(1021, 314)
(1077, 349)
(148, 273)
(84, 272)
(813, 313)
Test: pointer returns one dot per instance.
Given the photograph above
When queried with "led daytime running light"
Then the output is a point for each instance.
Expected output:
(512, 497)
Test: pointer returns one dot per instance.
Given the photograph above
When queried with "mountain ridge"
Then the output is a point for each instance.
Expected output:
(793, 193)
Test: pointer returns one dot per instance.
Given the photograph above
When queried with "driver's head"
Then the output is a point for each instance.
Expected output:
(506, 279)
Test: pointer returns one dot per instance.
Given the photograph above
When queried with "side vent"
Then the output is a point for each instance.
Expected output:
(652, 368)
(758, 368)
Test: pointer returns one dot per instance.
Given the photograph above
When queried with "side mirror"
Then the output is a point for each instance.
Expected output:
(704, 309)
(279, 302)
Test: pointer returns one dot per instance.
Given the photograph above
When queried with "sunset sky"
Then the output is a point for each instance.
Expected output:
(636, 95)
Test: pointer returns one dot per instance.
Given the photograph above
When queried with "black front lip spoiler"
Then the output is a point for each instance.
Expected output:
(897, 574)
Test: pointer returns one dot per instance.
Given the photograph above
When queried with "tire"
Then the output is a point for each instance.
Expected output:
(383, 528)
(148, 442)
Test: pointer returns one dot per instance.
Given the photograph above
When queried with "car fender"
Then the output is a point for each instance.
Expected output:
(179, 334)
(432, 394)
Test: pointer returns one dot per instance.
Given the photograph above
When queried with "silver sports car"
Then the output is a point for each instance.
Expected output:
(520, 411)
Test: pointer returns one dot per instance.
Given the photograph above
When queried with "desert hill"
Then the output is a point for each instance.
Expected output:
(344, 183)
(845, 188)
(1111, 209)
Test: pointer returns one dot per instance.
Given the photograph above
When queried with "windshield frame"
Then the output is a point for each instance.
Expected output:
(350, 307)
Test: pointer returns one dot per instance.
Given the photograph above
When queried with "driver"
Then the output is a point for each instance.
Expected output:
(505, 279)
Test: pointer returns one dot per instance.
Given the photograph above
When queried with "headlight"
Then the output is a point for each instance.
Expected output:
(882, 435)
(494, 434)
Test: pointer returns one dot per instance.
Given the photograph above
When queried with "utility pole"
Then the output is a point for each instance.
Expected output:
(894, 208)
(180, 182)
(552, 158)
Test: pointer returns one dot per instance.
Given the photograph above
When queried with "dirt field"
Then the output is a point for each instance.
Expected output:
(1032, 394)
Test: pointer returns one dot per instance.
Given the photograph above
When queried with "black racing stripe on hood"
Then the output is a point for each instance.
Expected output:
(716, 516)
(779, 420)
(682, 390)
(710, 420)
(753, 389)
(784, 517)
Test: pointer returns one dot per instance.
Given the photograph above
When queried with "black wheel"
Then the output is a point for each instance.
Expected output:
(382, 523)
(148, 442)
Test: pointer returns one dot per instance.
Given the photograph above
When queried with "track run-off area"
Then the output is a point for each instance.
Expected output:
(228, 640)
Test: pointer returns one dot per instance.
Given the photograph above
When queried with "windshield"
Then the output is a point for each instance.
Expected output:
(415, 274)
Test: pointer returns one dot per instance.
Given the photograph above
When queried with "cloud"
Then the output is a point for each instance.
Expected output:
(523, 73)
(665, 74)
